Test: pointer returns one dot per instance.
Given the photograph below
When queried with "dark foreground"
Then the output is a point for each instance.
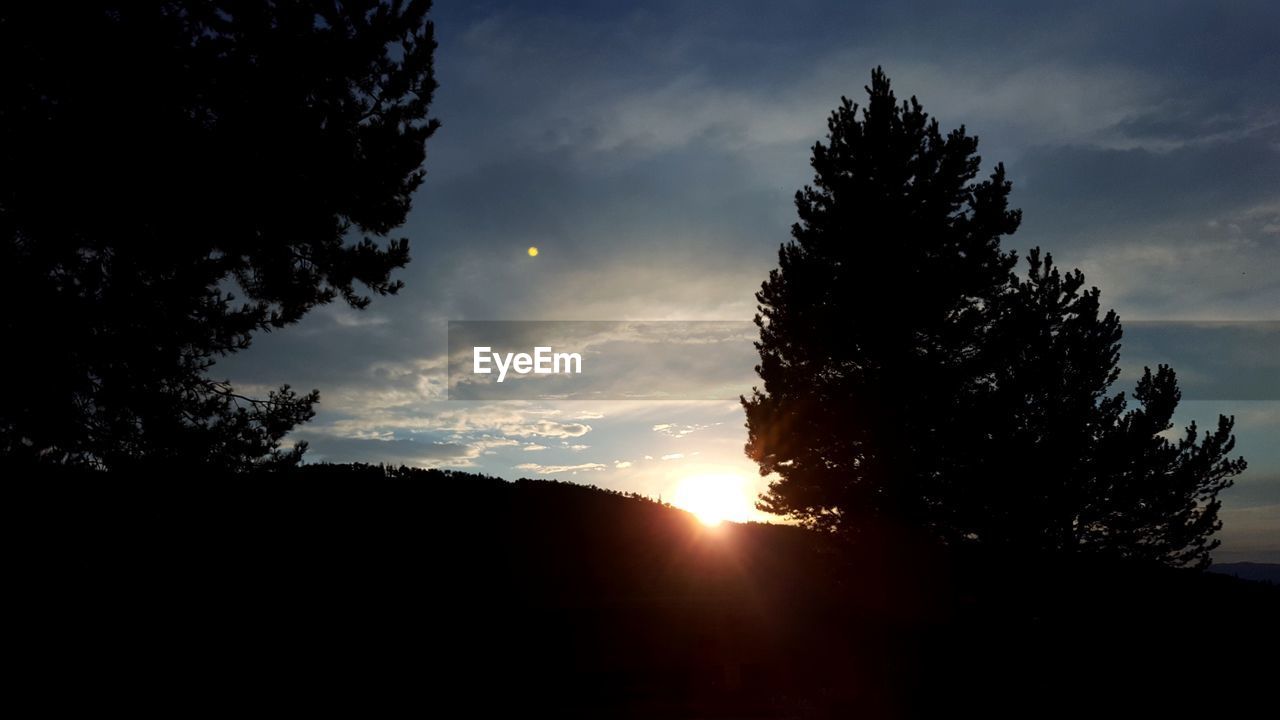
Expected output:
(456, 595)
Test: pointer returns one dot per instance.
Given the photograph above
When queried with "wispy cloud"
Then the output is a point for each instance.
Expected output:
(560, 469)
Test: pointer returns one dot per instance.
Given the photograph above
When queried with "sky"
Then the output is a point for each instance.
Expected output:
(651, 151)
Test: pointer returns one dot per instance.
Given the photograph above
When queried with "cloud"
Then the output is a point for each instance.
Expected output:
(393, 452)
(1250, 533)
(692, 108)
(673, 456)
(678, 431)
(364, 412)
(1214, 360)
(348, 318)
(1253, 490)
(549, 429)
(560, 469)
(621, 464)
(487, 442)
(1081, 187)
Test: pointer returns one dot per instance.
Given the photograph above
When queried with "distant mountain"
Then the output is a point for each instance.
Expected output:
(1262, 572)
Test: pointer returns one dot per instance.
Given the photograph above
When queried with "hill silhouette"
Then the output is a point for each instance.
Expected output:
(370, 588)
(1261, 572)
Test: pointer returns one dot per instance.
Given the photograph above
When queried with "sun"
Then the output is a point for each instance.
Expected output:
(533, 251)
(714, 498)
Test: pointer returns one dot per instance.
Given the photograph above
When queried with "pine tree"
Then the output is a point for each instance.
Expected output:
(874, 314)
(1156, 498)
(176, 177)
(911, 378)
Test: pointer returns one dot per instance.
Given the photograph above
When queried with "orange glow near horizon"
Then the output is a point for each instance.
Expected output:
(714, 498)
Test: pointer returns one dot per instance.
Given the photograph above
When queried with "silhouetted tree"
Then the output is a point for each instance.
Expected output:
(874, 315)
(158, 159)
(910, 377)
(1047, 457)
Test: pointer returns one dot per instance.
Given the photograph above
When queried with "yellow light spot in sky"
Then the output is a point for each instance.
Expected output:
(533, 251)
(714, 498)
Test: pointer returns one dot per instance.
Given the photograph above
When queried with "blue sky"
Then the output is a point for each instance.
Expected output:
(651, 152)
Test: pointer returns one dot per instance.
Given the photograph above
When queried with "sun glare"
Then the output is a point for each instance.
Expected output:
(714, 498)
(533, 251)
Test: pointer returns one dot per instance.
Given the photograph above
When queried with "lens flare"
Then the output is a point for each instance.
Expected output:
(714, 498)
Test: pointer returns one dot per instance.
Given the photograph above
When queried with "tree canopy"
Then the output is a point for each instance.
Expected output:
(177, 177)
(911, 377)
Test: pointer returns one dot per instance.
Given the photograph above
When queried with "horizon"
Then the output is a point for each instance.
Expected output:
(650, 156)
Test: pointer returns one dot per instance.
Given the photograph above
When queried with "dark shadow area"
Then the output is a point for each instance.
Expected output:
(358, 589)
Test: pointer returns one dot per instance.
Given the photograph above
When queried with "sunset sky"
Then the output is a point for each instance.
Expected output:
(651, 151)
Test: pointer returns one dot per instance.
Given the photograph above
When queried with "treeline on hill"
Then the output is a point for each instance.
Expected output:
(367, 587)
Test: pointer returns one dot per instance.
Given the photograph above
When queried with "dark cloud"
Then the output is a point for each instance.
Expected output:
(1073, 191)
(1254, 490)
(1214, 361)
